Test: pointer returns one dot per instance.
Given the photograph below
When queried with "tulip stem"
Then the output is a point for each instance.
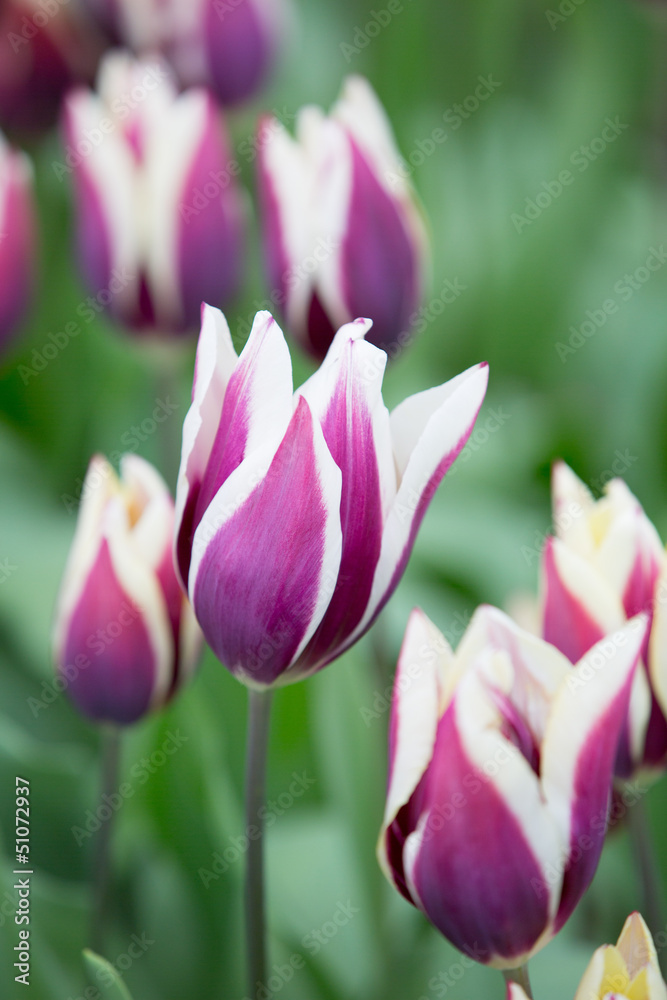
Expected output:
(259, 709)
(648, 869)
(520, 977)
(109, 784)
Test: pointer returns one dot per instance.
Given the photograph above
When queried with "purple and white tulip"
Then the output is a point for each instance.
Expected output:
(159, 216)
(46, 47)
(343, 235)
(227, 45)
(606, 564)
(296, 513)
(125, 637)
(500, 764)
(17, 240)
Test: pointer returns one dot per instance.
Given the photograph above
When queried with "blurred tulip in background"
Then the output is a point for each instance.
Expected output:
(125, 638)
(159, 215)
(343, 235)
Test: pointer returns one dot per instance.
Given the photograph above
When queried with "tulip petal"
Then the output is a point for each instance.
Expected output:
(345, 396)
(263, 566)
(429, 430)
(215, 362)
(17, 236)
(118, 683)
(573, 504)
(378, 267)
(210, 238)
(579, 607)
(286, 193)
(590, 709)
(423, 663)
(239, 48)
(482, 878)
(257, 406)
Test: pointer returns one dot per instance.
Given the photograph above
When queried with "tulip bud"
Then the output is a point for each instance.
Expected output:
(17, 238)
(297, 513)
(125, 637)
(227, 45)
(606, 564)
(159, 220)
(627, 969)
(46, 46)
(343, 235)
(489, 828)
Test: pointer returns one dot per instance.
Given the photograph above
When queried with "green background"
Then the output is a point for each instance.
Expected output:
(560, 77)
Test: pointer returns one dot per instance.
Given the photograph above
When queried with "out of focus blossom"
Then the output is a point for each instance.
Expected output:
(227, 45)
(17, 240)
(606, 564)
(46, 46)
(125, 637)
(159, 213)
(343, 235)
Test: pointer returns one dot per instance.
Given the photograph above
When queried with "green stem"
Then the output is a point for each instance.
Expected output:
(648, 869)
(109, 784)
(520, 977)
(259, 709)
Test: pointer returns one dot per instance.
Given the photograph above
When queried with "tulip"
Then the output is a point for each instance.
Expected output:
(17, 238)
(46, 46)
(227, 45)
(296, 514)
(125, 637)
(606, 564)
(500, 765)
(627, 969)
(343, 236)
(159, 212)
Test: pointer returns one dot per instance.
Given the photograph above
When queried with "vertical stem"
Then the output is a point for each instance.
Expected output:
(259, 708)
(109, 784)
(647, 866)
(520, 977)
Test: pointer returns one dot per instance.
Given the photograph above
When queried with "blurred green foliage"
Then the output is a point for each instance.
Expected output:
(559, 78)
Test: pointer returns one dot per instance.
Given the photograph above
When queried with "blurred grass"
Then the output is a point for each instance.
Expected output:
(523, 293)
